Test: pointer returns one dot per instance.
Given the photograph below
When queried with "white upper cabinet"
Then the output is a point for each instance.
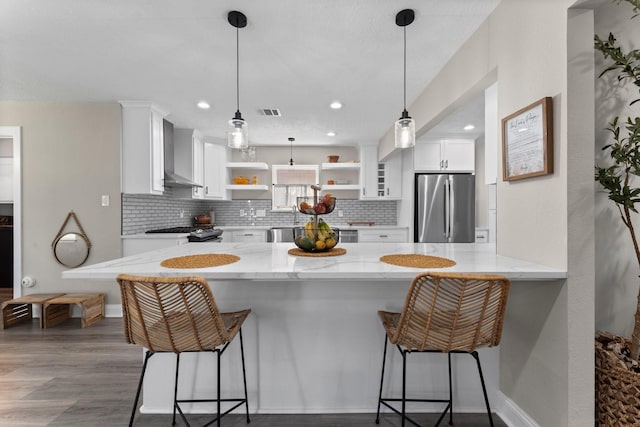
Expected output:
(390, 178)
(142, 148)
(369, 172)
(189, 161)
(216, 176)
(380, 180)
(453, 155)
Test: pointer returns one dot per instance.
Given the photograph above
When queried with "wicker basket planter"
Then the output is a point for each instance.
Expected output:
(617, 389)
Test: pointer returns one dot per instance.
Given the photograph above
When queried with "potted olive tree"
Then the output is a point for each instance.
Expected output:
(617, 363)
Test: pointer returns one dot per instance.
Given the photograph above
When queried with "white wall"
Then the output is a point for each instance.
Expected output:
(547, 347)
(616, 265)
(70, 157)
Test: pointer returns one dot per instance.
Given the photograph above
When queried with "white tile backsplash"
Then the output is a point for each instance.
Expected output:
(146, 212)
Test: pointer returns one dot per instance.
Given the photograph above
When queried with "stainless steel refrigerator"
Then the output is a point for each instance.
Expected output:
(444, 208)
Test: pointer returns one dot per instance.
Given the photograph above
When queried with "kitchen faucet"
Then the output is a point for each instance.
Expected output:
(294, 210)
(251, 215)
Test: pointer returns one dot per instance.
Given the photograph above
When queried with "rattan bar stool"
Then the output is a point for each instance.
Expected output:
(176, 315)
(445, 313)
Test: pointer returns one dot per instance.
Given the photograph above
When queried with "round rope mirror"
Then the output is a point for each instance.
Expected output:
(71, 249)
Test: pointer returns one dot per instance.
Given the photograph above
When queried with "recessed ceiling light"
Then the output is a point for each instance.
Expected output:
(469, 127)
(204, 105)
(336, 105)
(331, 133)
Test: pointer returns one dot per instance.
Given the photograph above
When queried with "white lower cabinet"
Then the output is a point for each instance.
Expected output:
(383, 235)
(246, 236)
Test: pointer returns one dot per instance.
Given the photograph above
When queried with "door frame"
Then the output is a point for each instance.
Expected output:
(15, 133)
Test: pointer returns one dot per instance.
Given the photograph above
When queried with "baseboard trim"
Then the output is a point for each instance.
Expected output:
(113, 310)
(512, 414)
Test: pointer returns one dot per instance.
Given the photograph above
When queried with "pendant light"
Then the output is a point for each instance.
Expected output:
(291, 159)
(405, 127)
(238, 129)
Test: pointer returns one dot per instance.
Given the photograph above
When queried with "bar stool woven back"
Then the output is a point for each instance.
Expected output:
(446, 313)
(178, 314)
(173, 314)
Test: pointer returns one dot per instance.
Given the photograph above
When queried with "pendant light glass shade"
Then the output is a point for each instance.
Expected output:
(238, 132)
(405, 131)
(405, 127)
(237, 129)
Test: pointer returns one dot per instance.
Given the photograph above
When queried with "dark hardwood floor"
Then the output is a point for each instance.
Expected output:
(67, 376)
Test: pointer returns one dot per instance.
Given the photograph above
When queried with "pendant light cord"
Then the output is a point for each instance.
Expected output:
(405, 67)
(237, 69)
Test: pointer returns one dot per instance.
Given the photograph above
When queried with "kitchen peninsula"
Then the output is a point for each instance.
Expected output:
(313, 341)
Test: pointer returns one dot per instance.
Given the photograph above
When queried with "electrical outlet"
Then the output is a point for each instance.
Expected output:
(242, 212)
(340, 213)
(181, 213)
(105, 200)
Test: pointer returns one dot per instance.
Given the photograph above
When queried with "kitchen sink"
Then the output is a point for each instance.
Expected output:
(280, 234)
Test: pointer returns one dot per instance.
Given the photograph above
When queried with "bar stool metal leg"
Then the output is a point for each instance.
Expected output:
(175, 390)
(450, 392)
(244, 377)
(449, 407)
(147, 355)
(484, 388)
(404, 385)
(218, 389)
(384, 358)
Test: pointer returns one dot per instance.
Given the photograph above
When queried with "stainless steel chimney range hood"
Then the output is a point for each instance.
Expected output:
(171, 179)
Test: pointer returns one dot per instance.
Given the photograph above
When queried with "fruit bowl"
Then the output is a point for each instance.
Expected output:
(315, 239)
(325, 205)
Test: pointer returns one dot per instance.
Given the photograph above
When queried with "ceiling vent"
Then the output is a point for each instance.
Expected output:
(269, 112)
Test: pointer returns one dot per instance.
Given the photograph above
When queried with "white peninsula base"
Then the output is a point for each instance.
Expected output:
(314, 347)
(313, 342)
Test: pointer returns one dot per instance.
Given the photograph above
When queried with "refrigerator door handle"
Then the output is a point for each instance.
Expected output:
(447, 210)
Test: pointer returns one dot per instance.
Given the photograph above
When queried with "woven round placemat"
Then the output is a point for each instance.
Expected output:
(330, 252)
(200, 261)
(417, 261)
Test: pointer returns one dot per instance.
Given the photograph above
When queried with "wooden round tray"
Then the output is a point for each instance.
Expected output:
(330, 252)
(417, 261)
(200, 261)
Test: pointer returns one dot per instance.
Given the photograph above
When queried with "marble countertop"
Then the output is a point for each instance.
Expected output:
(270, 261)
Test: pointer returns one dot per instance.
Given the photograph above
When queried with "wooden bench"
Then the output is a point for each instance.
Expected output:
(19, 310)
(57, 310)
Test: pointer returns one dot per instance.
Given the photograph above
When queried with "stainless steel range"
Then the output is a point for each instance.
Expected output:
(199, 233)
